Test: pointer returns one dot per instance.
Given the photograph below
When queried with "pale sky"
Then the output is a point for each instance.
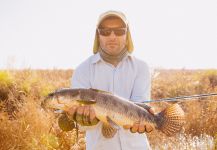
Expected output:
(46, 34)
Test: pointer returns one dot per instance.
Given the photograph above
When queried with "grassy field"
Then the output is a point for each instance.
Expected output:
(24, 124)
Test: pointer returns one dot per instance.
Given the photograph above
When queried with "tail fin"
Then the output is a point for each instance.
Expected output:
(171, 119)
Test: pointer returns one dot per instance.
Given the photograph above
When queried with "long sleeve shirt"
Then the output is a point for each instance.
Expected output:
(130, 79)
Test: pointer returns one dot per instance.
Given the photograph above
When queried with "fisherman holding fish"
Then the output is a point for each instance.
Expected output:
(113, 68)
(108, 93)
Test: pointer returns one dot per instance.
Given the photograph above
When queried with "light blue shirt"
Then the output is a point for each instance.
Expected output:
(129, 79)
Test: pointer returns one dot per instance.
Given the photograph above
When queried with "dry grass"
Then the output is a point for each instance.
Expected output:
(24, 125)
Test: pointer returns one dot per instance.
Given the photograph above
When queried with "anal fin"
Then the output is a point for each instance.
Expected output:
(108, 131)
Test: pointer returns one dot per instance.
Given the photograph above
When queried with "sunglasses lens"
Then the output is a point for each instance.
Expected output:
(117, 31)
(120, 32)
(105, 32)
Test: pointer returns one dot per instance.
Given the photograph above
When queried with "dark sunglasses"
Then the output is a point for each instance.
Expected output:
(108, 31)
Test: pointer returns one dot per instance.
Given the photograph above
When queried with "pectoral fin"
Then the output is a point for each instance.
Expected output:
(86, 102)
(108, 131)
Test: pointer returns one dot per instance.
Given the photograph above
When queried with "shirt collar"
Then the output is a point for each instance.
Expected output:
(96, 58)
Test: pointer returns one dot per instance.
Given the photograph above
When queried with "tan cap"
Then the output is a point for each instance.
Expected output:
(129, 44)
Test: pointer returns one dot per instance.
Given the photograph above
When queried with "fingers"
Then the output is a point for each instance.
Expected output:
(127, 126)
(135, 127)
(89, 116)
(139, 127)
(92, 114)
(79, 115)
(71, 112)
(148, 128)
(86, 115)
(93, 119)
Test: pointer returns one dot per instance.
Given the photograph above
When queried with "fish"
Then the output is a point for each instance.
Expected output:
(115, 111)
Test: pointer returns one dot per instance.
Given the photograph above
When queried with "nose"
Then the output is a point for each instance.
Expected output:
(112, 35)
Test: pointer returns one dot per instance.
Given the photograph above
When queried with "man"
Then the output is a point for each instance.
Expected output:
(112, 68)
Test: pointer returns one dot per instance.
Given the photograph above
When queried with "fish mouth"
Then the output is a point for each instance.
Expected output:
(52, 106)
(52, 103)
(44, 103)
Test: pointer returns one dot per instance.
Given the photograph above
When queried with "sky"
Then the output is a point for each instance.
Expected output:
(48, 34)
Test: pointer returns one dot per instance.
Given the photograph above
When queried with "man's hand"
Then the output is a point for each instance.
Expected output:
(139, 126)
(84, 115)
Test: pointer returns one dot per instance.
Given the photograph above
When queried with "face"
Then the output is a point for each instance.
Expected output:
(112, 35)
